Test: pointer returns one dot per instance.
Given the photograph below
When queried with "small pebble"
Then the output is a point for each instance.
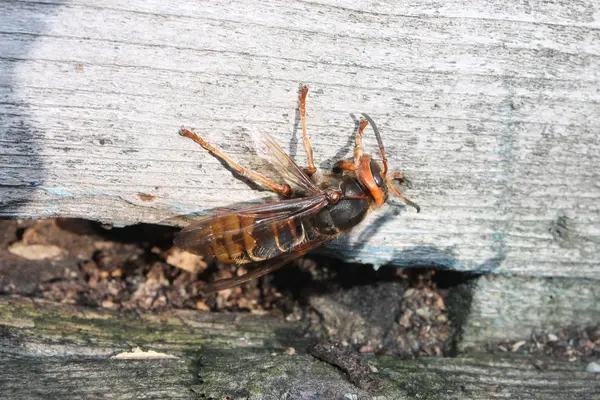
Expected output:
(517, 346)
(593, 367)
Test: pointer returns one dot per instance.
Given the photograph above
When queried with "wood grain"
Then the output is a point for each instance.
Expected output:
(492, 109)
(493, 309)
(50, 350)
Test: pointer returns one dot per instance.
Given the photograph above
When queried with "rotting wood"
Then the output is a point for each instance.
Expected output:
(57, 350)
(490, 107)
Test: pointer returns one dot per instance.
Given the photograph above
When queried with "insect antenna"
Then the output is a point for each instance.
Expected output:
(379, 142)
(385, 166)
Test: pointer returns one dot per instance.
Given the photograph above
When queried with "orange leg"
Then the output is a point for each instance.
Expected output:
(358, 150)
(399, 176)
(309, 153)
(346, 165)
(396, 175)
(283, 190)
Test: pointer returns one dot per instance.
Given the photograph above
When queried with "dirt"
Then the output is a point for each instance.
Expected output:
(572, 343)
(389, 311)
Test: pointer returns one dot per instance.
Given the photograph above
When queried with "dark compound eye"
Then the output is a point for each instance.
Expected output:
(376, 172)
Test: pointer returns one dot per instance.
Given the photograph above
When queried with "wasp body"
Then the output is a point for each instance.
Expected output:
(315, 211)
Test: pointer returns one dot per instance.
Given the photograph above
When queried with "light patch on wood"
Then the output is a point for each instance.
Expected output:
(139, 354)
(20, 323)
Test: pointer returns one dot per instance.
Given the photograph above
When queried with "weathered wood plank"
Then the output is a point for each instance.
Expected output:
(492, 309)
(491, 107)
(52, 350)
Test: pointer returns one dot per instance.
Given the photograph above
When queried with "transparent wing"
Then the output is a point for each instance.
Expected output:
(268, 149)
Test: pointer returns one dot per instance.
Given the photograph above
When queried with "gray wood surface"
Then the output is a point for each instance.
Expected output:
(50, 350)
(491, 107)
(493, 309)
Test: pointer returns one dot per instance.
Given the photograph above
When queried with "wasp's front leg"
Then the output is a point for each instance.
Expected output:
(347, 165)
(358, 148)
(399, 176)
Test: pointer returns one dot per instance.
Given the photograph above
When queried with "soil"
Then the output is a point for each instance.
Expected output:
(389, 311)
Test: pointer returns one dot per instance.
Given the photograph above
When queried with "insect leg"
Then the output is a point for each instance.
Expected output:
(401, 178)
(309, 153)
(358, 151)
(398, 176)
(399, 194)
(344, 165)
(284, 190)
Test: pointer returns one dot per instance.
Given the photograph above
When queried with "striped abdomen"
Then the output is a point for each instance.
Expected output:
(254, 235)
(234, 238)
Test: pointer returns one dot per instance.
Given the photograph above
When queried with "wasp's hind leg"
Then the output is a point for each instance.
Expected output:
(255, 177)
(310, 169)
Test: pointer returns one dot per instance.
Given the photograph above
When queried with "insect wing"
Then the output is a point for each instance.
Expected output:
(253, 234)
(268, 149)
(265, 268)
(259, 271)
